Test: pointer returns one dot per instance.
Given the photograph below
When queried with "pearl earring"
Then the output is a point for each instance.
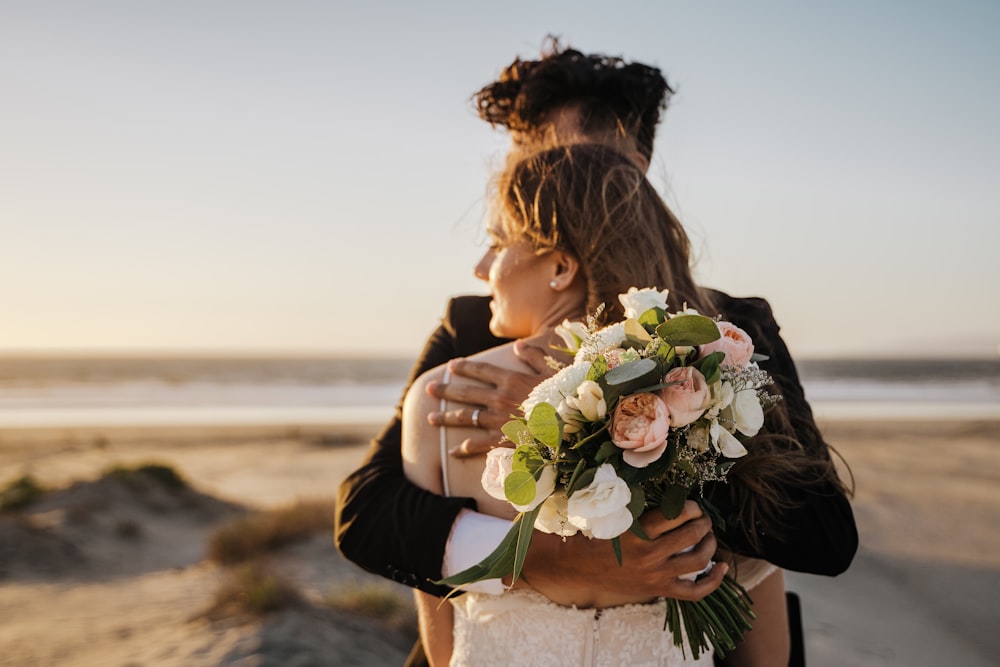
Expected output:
(553, 284)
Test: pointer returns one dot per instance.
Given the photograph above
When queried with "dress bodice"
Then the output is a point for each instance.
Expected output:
(522, 627)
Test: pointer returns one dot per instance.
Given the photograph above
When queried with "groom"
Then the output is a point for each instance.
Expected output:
(393, 528)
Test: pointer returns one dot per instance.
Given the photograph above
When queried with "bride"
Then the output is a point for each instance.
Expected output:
(572, 228)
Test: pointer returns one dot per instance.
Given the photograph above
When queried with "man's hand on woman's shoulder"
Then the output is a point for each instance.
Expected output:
(489, 401)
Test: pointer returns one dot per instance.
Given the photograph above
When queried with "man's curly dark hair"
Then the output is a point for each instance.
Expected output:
(610, 94)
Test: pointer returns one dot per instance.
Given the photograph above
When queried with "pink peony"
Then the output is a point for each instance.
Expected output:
(639, 426)
(688, 399)
(734, 342)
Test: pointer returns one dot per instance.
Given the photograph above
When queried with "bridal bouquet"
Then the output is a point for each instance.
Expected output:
(650, 409)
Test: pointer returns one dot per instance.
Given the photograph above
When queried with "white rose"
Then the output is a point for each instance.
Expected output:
(572, 333)
(638, 301)
(499, 463)
(498, 466)
(589, 401)
(601, 509)
(553, 517)
(747, 412)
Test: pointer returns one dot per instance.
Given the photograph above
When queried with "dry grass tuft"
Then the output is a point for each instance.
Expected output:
(376, 601)
(139, 475)
(256, 534)
(252, 589)
(20, 493)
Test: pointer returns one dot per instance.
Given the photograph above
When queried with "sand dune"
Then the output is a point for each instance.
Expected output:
(922, 591)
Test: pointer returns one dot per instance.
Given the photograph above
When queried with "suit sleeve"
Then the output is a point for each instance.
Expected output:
(383, 522)
(818, 535)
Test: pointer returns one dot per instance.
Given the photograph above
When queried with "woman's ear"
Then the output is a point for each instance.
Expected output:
(564, 269)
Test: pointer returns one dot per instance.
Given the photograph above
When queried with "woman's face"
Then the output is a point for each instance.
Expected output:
(519, 284)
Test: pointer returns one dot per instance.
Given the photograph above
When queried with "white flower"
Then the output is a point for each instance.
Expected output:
(499, 461)
(553, 517)
(587, 405)
(557, 387)
(747, 412)
(638, 301)
(572, 333)
(498, 466)
(589, 401)
(601, 509)
(601, 341)
(727, 443)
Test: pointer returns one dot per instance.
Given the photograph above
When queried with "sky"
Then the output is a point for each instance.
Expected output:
(309, 177)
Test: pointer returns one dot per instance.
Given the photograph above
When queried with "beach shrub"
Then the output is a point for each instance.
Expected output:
(252, 589)
(20, 493)
(139, 474)
(256, 534)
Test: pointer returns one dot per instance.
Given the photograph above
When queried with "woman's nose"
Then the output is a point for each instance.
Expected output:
(482, 269)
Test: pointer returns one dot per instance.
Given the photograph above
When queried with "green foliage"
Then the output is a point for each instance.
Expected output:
(516, 431)
(519, 487)
(672, 501)
(709, 366)
(20, 493)
(688, 330)
(544, 425)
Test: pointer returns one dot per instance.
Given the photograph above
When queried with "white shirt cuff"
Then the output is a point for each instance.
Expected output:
(473, 537)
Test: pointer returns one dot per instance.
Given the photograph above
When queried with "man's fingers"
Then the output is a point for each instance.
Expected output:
(655, 524)
(469, 417)
(482, 371)
(472, 447)
(534, 356)
(469, 394)
(699, 589)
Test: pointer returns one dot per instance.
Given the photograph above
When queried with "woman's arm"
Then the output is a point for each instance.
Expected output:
(437, 618)
(768, 644)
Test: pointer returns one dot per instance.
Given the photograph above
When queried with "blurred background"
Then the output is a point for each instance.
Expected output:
(308, 177)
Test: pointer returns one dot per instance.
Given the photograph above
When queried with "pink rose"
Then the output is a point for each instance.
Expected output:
(639, 426)
(734, 342)
(688, 398)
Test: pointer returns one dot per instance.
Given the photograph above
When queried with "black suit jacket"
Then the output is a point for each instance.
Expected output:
(393, 528)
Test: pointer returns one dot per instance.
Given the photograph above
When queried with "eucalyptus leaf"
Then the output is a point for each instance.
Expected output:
(519, 487)
(709, 365)
(544, 425)
(581, 481)
(606, 451)
(637, 503)
(652, 317)
(636, 333)
(527, 458)
(517, 431)
(627, 372)
(688, 330)
(672, 502)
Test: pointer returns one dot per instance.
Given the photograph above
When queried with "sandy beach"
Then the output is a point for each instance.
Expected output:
(88, 593)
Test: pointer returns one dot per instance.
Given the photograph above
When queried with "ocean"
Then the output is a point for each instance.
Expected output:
(134, 391)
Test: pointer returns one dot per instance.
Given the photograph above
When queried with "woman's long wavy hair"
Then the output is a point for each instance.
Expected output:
(594, 203)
